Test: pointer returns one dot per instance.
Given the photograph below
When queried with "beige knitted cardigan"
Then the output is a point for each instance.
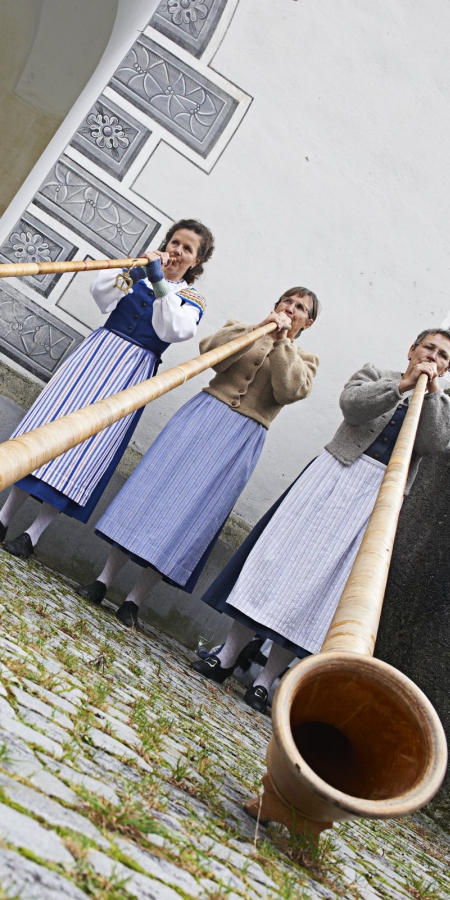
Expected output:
(259, 381)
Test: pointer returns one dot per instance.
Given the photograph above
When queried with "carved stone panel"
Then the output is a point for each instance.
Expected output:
(187, 103)
(95, 211)
(31, 335)
(110, 137)
(190, 23)
(32, 241)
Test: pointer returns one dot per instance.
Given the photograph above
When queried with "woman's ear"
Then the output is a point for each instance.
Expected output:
(307, 324)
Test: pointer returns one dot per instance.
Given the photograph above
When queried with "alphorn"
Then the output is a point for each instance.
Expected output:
(353, 737)
(23, 454)
(11, 270)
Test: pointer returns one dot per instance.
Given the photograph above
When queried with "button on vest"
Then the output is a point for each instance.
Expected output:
(382, 447)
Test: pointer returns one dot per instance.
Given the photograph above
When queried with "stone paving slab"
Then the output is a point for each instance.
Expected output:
(21, 878)
(134, 883)
(24, 832)
(26, 699)
(53, 787)
(53, 813)
(123, 773)
(72, 776)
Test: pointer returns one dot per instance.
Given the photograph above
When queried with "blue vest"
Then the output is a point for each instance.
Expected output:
(132, 319)
(382, 447)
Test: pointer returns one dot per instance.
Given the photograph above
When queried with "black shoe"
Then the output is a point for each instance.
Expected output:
(20, 546)
(212, 669)
(251, 653)
(3, 530)
(128, 614)
(256, 697)
(94, 592)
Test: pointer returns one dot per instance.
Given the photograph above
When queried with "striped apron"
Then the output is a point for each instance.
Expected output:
(293, 578)
(101, 365)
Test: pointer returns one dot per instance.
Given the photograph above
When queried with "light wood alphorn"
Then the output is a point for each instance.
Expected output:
(355, 623)
(352, 736)
(25, 453)
(17, 270)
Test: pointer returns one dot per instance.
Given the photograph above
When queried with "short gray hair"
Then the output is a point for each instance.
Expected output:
(424, 334)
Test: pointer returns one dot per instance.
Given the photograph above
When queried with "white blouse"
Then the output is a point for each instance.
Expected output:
(173, 321)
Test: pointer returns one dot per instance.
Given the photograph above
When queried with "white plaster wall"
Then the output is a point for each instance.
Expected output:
(337, 179)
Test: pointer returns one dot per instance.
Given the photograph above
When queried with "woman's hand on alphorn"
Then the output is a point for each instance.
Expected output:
(411, 377)
(282, 322)
(151, 255)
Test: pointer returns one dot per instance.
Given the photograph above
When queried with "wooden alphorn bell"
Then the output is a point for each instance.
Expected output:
(353, 737)
(23, 454)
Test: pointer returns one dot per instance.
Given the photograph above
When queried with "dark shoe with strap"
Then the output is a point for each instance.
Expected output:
(3, 530)
(257, 697)
(212, 669)
(20, 546)
(95, 592)
(128, 614)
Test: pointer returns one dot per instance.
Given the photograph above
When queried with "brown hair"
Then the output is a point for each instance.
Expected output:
(206, 245)
(302, 292)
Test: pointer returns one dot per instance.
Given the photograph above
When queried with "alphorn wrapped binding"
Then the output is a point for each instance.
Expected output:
(21, 270)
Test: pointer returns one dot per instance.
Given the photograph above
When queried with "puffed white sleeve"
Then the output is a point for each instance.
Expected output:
(104, 292)
(173, 320)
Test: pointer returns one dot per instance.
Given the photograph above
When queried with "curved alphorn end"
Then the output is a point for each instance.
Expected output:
(269, 807)
(352, 738)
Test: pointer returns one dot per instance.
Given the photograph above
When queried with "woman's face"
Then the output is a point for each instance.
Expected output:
(434, 348)
(299, 311)
(184, 251)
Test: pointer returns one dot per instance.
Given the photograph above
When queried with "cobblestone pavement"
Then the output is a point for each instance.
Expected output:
(122, 774)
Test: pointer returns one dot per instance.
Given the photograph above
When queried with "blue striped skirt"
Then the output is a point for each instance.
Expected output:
(101, 365)
(177, 499)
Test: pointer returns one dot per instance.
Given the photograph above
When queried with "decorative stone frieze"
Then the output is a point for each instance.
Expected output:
(110, 222)
(190, 23)
(188, 104)
(31, 335)
(33, 241)
(110, 137)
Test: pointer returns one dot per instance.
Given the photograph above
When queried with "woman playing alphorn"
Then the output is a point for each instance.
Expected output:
(169, 513)
(286, 579)
(161, 308)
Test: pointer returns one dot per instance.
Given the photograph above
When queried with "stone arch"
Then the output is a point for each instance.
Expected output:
(48, 52)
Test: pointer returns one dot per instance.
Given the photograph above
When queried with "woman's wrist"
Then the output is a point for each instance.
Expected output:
(154, 271)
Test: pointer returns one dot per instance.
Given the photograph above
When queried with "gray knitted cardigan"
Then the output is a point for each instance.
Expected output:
(369, 400)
